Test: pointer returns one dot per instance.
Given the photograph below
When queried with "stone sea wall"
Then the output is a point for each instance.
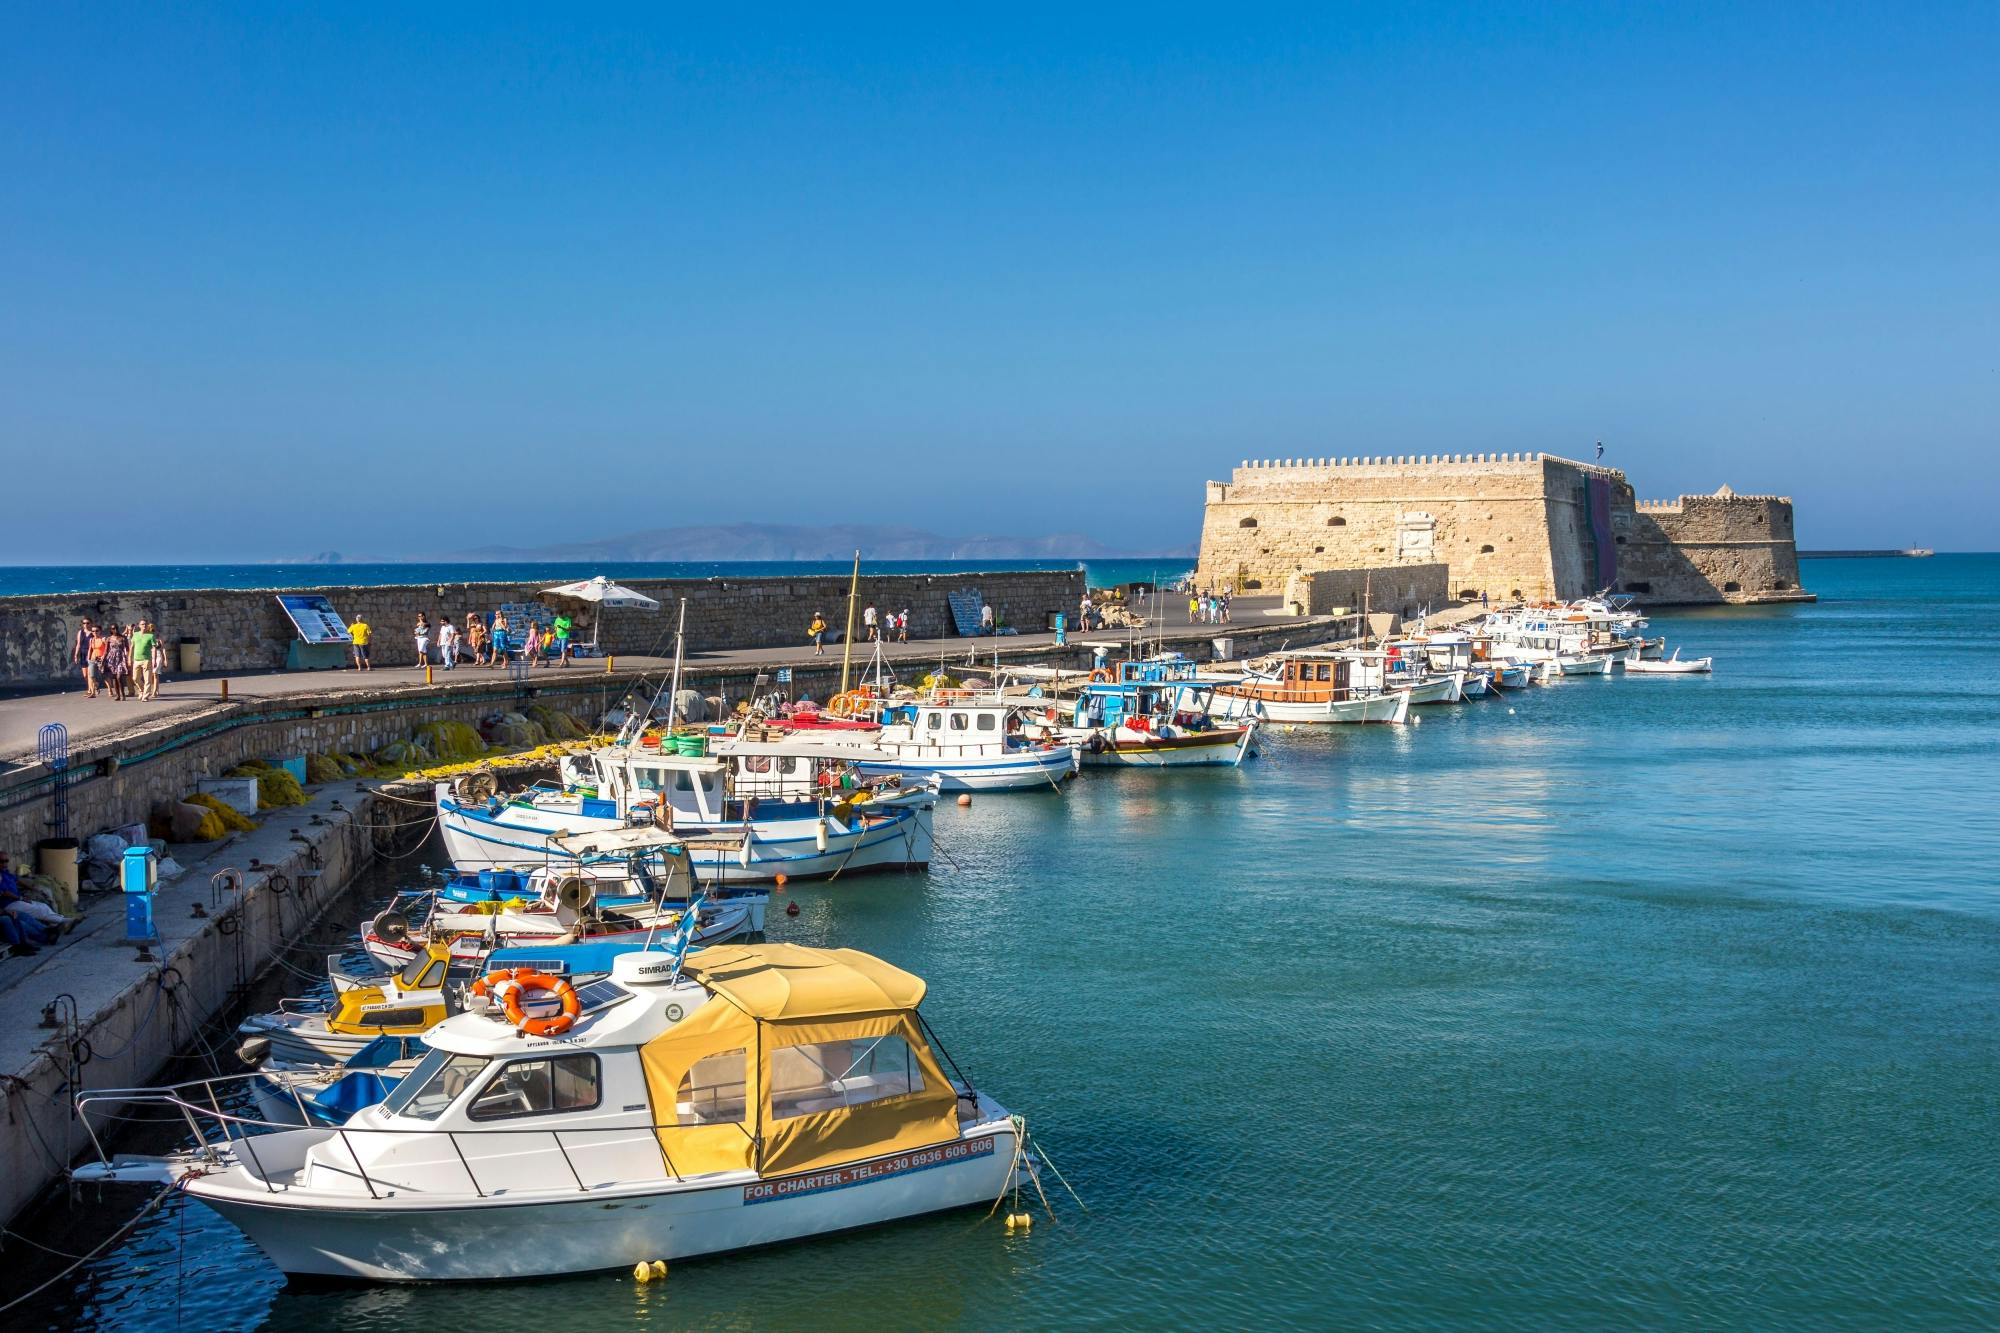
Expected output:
(245, 630)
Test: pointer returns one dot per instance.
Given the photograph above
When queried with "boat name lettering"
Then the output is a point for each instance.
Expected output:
(841, 1177)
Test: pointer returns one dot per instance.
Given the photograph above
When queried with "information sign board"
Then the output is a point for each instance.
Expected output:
(315, 619)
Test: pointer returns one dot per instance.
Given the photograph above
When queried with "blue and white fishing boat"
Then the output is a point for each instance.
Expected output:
(808, 813)
(1156, 712)
(964, 744)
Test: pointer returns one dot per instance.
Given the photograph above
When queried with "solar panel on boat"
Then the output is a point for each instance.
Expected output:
(600, 995)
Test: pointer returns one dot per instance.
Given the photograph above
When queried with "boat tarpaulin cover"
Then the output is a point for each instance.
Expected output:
(789, 1012)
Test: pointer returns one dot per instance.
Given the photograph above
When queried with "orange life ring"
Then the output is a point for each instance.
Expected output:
(519, 979)
(1100, 677)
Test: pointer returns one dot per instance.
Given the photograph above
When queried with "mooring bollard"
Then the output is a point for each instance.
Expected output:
(427, 674)
(608, 660)
(225, 689)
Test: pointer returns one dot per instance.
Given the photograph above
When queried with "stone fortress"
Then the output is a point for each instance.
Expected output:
(1509, 527)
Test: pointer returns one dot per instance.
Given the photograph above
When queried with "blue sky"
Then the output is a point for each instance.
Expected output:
(394, 279)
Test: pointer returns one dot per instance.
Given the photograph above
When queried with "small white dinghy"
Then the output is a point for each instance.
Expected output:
(1669, 666)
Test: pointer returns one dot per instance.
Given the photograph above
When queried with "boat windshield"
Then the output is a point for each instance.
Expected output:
(422, 973)
(434, 1084)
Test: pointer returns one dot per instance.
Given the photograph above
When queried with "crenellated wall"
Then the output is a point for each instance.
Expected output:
(1509, 526)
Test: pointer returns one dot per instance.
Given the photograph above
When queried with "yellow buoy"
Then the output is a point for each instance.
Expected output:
(644, 1274)
(659, 1269)
(650, 1272)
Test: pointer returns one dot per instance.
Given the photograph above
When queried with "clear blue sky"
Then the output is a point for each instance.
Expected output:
(391, 279)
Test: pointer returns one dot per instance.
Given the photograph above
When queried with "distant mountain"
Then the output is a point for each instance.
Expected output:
(778, 541)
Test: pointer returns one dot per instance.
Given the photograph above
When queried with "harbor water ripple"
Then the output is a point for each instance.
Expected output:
(1617, 1002)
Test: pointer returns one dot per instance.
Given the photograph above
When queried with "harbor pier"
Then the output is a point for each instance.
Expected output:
(114, 1018)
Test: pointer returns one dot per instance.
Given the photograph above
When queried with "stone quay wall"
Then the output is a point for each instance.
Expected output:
(1510, 527)
(245, 629)
(1405, 590)
(118, 779)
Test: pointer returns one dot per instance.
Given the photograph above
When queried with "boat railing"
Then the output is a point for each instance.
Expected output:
(200, 1100)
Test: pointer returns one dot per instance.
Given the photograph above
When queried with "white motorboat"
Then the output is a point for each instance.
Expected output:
(1316, 685)
(761, 810)
(1670, 666)
(1581, 664)
(755, 1094)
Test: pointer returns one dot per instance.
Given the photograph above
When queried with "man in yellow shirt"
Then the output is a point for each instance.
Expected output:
(359, 632)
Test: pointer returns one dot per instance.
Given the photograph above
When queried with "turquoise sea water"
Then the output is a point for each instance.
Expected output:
(1613, 1003)
(17, 580)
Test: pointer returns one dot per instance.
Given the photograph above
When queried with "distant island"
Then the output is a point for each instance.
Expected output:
(780, 541)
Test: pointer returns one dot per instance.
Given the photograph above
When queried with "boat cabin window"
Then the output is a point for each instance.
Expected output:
(824, 1075)
(422, 973)
(714, 1091)
(538, 1087)
(757, 763)
(646, 779)
(986, 722)
(932, 721)
(1323, 672)
(958, 722)
(433, 1085)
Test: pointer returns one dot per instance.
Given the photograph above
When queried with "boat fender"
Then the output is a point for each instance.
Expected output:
(1096, 742)
(254, 1051)
(792, 907)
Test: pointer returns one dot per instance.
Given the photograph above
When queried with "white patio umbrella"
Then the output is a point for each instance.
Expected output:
(603, 592)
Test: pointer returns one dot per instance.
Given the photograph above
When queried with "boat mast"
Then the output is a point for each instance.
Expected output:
(680, 643)
(847, 641)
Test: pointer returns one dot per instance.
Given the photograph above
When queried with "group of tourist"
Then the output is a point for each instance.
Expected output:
(485, 641)
(119, 661)
(1208, 608)
(886, 626)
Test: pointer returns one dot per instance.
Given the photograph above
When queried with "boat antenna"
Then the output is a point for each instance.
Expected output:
(847, 639)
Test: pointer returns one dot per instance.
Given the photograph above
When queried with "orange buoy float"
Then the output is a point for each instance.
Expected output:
(965, 798)
(509, 983)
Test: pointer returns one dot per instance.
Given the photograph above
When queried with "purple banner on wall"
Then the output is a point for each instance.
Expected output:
(1600, 532)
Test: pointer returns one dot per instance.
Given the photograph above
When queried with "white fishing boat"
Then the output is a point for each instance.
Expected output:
(1155, 712)
(1314, 686)
(1671, 666)
(801, 810)
(968, 743)
(474, 914)
(757, 1094)
(1580, 664)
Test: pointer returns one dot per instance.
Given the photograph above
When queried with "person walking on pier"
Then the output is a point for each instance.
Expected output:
(1194, 609)
(423, 637)
(903, 625)
(868, 622)
(359, 633)
(144, 683)
(118, 664)
(987, 624)
(79, 656)
(531, 649)
(475, 638)
(562, 626)
(499, 654)
(817, 633)
(447, 642)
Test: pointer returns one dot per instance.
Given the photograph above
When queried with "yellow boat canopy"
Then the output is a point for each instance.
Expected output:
(785, 982)
(804, 1058)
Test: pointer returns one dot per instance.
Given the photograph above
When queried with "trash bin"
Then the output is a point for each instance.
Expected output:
(56, 858)
(190, 657)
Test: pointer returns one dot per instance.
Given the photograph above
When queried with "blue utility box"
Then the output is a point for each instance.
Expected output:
(142, 880)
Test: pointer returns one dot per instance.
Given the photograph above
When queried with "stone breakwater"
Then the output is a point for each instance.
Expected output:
(245, 629)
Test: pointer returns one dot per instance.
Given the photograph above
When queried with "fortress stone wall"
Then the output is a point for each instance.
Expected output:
(1507, 526)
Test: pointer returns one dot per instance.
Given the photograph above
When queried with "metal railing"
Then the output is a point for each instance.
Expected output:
(201, 1100)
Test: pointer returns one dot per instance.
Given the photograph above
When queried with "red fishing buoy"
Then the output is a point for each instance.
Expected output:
(792, 907)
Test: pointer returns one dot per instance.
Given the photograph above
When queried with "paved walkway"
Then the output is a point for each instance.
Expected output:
(22, 716)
